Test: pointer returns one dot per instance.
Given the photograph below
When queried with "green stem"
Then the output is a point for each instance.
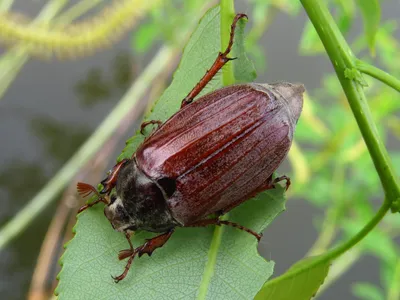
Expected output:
(341, 266)
(339, 250)
(342, 248)
(227, 15)
(328, 232)
(377, 73)
(76, 11)
(342, 58)
(211, 263)
(329, 256)
(50, 11)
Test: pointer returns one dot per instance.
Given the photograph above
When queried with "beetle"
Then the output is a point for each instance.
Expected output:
(209, 157)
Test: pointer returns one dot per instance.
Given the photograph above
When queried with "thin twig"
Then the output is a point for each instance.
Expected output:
(50, 248)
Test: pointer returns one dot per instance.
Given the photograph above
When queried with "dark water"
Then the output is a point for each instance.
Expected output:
(51, 108)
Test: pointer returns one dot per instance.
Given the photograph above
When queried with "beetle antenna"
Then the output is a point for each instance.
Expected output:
(85, 189)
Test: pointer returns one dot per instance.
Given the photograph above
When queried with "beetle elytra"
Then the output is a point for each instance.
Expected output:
(209, 157)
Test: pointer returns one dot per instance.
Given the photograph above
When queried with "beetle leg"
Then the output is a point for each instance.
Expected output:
(218, 222)
(144, 125)
(128, 252)
(219, 62)
(269, 184)
(86, 206)
(126, 270)
(154, 243)
(111, 180)
(280, 178)
(147, 248)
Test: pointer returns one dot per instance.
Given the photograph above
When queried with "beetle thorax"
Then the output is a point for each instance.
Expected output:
(139, 203)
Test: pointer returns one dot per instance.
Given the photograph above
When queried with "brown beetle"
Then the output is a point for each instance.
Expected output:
(209, 157)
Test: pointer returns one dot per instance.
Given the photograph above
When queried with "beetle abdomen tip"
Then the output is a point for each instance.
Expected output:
(293, 95)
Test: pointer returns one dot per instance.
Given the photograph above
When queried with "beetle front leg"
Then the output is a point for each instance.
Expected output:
(280, 178)
(219, 62)
(145, 124)
(111, 180)
(147, 248)
(271, 183)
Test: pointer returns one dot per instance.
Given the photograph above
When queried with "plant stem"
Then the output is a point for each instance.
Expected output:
(339, 250)
(49, 11)
(333, 213)
(76, 11)
(341, 265)
(342, 58)
(329, 256)
(377, 73)
(227, 15)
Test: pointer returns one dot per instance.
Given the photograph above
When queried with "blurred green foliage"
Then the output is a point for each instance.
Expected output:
(332, 168)
(99, 86)
(343, 178)
(331, 165)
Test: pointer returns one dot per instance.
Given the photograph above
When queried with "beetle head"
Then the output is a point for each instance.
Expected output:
(117, 214)
(138, 201)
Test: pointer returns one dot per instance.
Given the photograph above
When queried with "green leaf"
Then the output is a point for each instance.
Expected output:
(371, 12)
(180, 269)
(367, 291)
(388, 46)
(300, 282)
(243, 67)
(346, 14)
(200, 263)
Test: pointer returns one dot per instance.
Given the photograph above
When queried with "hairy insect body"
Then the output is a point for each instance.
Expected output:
(209, 157)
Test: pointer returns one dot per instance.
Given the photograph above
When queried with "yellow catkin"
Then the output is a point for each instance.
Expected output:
(77, 40)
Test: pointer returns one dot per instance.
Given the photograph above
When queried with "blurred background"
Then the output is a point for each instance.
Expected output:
(49, 107)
